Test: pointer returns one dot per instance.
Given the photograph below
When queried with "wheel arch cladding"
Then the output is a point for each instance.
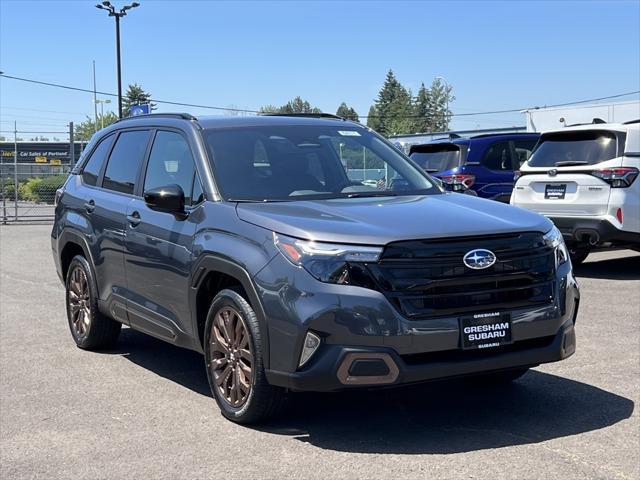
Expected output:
(213, 274)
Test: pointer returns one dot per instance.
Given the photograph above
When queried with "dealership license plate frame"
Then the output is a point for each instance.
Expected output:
(489, 318)
(555, 191)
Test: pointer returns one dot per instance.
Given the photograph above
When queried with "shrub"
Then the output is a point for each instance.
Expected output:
(44, 189)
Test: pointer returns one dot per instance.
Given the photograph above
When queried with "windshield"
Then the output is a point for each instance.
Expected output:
(575, 148)
(437, 158)
(279, 163)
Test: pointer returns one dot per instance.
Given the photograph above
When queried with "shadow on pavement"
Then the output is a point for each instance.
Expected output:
(625, 268)
(436, 418)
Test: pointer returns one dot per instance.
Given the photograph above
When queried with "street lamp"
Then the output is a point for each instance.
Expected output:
(117, 14)
(102, 102)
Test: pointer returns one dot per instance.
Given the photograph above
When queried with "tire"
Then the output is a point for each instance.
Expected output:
(499, 378)
(227, 356)
(90, 329)
(578, 253)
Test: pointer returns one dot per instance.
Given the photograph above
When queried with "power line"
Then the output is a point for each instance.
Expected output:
(230, 109)
(155, 100)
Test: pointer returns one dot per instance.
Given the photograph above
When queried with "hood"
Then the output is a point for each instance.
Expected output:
(380, 220)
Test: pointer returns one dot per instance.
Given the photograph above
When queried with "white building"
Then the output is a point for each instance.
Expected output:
(551, 118)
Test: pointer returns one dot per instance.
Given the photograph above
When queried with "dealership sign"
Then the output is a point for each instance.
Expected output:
(53, 153)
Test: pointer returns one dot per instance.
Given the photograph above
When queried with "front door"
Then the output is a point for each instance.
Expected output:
(158, 246)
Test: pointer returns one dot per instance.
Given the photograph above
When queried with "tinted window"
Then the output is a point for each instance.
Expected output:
(91, 170)
(436, 158)
(574, 148)
(126, 156)
(523, 150)
(170, 162)
(498, 157)
(313, 161)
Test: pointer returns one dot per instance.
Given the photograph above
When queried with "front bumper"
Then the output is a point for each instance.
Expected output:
(322, 376)
(599, 229)
(357, 320)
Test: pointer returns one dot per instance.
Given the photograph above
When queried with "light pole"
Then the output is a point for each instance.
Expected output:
(102, 102)
(446, 92)
(117, 14)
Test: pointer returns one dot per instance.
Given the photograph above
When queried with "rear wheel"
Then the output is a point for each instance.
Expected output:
(578, 253)
(233, 354)
(90, 329)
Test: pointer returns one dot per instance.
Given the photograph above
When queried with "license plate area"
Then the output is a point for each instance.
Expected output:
(485, 330)
(555, 191)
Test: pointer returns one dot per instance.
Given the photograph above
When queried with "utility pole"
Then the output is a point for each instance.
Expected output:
(15, 168)
(117, 14)
(95, 104)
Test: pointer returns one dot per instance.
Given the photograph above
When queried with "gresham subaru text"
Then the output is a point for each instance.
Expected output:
(251, 240)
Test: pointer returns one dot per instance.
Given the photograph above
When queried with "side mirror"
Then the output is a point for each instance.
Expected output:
(169, 198)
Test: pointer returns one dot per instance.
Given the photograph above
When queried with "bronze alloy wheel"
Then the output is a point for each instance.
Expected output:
(79, 303)
(231, 356)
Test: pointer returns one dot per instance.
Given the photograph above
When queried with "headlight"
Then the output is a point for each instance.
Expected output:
(328, 262)
(553, 238)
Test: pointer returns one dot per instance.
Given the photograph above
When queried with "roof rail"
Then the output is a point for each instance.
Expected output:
(631, 122)
(309, 114)
(184, 116)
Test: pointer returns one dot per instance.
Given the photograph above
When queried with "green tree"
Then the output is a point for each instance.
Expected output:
(441, 97)
(347, 112)
(84, 130)
(135, 95)
(393, 108)
(297, 105)
(423, 121)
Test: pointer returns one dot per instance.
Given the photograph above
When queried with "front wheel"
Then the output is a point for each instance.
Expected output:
(233, 355)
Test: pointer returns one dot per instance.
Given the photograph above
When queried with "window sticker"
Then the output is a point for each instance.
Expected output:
(349, 133)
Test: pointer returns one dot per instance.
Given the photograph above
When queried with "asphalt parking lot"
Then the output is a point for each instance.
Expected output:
(144, 409)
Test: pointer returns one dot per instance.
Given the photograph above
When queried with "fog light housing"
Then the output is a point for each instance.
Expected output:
(311, 344)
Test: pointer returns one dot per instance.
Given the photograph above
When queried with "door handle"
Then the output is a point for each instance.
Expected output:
(134, 218)
(90, 206)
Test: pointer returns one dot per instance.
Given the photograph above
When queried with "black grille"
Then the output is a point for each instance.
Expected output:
(427, 278)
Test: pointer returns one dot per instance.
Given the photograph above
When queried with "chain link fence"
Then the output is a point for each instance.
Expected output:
(32, 168)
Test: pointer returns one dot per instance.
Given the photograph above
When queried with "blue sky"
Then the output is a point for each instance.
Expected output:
(497, 55)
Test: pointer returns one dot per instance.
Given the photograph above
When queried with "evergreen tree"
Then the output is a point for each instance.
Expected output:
(393, 108)
(297, 105)
(441, 98)
(421, 109)
(347, 112)
(373, 120)
(135, 95)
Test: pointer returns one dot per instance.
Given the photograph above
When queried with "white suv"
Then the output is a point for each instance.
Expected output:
(584, 178)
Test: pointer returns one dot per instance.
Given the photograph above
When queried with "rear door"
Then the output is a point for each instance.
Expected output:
(496, 181)
(107, 207)
(559, 180)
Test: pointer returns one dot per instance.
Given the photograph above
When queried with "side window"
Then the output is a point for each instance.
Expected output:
(125, 158)
(498, 157)
(170, 163)
(91, 169)
(523, 149)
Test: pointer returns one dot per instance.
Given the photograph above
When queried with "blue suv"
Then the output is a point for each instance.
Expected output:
(484, 163)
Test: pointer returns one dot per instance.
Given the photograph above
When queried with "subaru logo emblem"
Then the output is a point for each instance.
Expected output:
(479, 258)
(553, 172)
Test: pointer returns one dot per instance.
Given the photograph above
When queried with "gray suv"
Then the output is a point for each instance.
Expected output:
(303, 253)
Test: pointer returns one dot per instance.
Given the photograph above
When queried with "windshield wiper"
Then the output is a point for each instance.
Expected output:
(431, 170)
(386, 193)
(570, 163)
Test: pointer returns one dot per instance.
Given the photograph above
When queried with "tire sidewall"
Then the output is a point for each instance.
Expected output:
(81, 262)
(235, 300)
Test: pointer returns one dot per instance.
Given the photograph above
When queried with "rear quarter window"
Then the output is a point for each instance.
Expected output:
(586, 147)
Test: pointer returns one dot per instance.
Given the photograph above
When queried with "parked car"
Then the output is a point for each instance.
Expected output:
(584, 178)
(243, 238)
(484, 163)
